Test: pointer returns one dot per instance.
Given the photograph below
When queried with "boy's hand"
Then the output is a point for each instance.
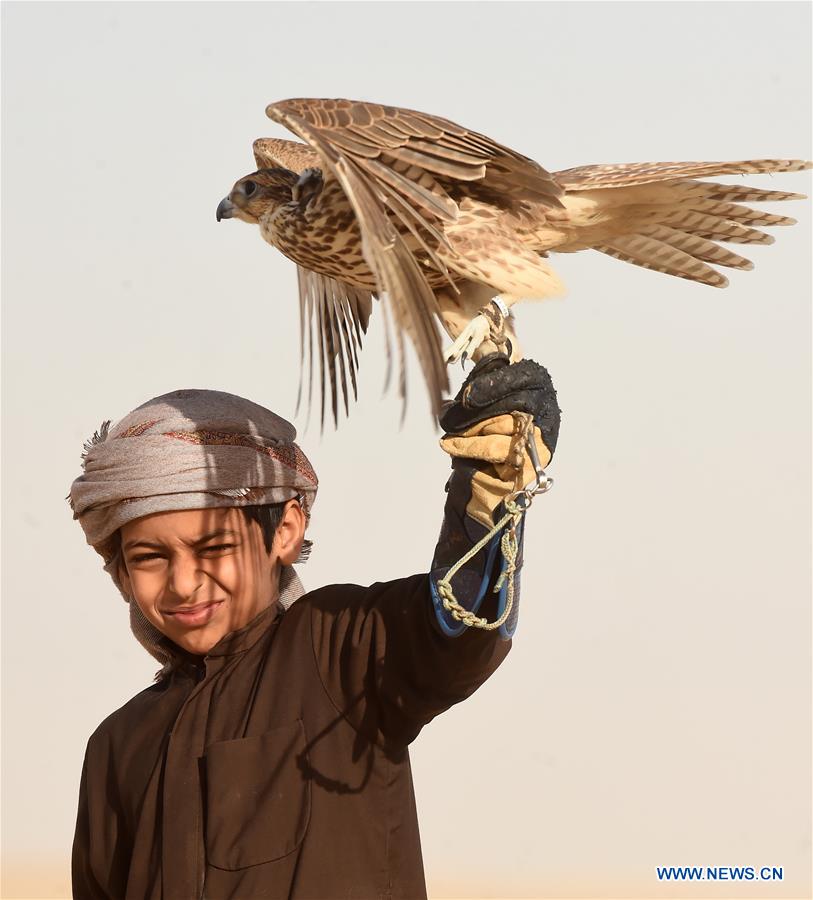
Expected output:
(495, 386)
(489, 420)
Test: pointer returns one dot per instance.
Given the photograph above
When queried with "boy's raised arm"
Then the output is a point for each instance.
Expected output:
(393, 656)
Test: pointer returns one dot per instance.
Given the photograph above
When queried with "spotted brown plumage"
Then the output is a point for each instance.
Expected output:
(440, 219)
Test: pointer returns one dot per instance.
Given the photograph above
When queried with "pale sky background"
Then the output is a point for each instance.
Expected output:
(655, 708)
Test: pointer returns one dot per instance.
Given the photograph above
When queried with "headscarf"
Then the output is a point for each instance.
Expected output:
(190, 449)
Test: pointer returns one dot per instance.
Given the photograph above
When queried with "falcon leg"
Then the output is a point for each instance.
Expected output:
(488, 325)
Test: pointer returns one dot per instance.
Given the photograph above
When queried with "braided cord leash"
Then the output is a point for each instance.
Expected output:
(509, 546)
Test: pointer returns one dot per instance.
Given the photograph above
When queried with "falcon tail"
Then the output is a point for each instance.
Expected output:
(658, 216)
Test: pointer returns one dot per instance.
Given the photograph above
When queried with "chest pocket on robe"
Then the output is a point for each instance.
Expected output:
(257, 798)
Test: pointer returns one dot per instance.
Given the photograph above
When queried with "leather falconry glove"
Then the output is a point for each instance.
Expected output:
(487, 426)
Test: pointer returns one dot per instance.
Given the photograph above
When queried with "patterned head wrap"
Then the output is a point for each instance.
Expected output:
(190, 449)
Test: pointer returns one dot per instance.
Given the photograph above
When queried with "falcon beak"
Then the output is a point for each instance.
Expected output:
(225, 209)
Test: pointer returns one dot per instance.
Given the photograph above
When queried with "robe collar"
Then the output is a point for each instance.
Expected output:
(246, 637)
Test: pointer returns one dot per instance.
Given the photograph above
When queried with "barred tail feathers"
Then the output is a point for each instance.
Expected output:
(670, 226)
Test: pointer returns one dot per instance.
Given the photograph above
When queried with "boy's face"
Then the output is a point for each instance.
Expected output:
(199, 574)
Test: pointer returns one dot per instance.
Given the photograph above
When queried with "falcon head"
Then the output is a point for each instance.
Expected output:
(256, 194)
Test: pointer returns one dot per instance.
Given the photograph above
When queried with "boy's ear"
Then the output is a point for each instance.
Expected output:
(124, 576)
(290, 533)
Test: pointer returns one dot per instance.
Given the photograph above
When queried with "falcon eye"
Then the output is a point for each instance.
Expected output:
(249, 187)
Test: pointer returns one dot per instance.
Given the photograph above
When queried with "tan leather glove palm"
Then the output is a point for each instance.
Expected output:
(500, 444)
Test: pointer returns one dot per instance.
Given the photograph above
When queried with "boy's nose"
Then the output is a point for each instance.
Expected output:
(185, 578)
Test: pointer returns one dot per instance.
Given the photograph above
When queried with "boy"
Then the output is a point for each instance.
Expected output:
(270, 758)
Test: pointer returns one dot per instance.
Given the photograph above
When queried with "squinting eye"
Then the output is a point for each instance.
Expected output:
(145, 557)
(249, 187)
(217, 548)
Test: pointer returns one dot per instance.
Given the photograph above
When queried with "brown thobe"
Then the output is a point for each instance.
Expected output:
(277, 766)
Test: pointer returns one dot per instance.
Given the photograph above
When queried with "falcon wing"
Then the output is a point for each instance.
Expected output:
(398, 166)
(336, 315)
(658, 216)
(270, 153)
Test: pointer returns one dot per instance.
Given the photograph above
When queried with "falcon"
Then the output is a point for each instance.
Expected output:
(446, 225)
